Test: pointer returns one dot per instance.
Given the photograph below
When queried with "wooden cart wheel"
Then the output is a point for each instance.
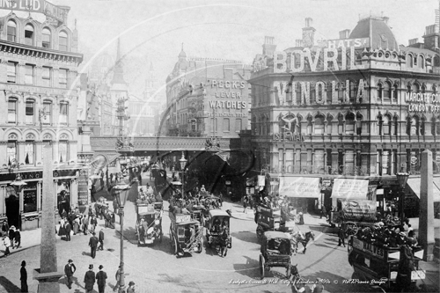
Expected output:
(262, 266)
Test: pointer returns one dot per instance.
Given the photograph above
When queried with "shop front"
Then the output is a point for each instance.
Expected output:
(23, 209)
(304, 193)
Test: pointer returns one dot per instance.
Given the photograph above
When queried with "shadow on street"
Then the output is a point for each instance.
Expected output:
(8, 285)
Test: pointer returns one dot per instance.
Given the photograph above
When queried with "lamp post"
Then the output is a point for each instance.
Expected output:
(402, 178)
(18, 184)
(121, 190)
(182, 167)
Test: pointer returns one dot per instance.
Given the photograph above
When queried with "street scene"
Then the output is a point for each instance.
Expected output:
(230, 146)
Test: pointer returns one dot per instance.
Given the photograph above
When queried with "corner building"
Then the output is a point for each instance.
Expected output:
(355, 107)
(38, 106)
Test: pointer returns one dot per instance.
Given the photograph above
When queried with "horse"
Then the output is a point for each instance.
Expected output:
(298, 237)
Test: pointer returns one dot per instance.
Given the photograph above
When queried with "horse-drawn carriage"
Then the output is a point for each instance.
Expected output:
(185, 234)
(275, 251)
(217, 231)
(149, 222)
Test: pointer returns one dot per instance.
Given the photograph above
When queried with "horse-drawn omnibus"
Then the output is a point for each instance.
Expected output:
(185, 234)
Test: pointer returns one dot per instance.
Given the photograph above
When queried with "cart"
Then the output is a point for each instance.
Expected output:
(275, 252)
(218, 232)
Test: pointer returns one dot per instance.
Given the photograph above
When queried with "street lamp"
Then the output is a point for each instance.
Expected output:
(121, 190)
(18, 184)
(402, 178)
(182, 167)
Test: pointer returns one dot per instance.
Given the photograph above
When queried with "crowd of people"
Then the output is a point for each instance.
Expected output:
(11, 238)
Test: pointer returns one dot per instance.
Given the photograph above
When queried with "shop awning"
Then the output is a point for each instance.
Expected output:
(304, 187)
(414, 183)
(350, 189)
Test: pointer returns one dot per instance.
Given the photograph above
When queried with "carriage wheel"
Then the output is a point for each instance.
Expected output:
(261, 266)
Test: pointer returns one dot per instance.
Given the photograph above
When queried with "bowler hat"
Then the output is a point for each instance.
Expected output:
(131, 283)
(100, 266)
(70, 260)
(90, 267)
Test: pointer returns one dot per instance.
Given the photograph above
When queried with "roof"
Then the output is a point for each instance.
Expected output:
(217, 213)
(276, 234)
(381, 34)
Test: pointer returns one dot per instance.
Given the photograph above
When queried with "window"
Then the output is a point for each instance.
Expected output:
(62, 151)
(29, 150)
(11, 152)
(47, 108)
(30, 109)
(386, 163)
(63, 112)
(349, 123)
(12, 110)
(237, 125)
(12, 31)
(379, 91)
(29, 74)
(349, 162)
(12, 72)
(414, 126)
(46, 76)
(30, 197)
(395, 92)
(288, 156)
(319, 125)
(63, 41)
(386, 125)
(226, 125)
(303, 162)
(319, 161)
(387, 91)
(29, 35)
(63, 78)
(46, 43)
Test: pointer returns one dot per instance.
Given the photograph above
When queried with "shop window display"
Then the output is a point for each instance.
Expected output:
(30, 198)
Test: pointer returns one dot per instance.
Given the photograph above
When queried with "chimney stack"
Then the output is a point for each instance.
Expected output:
(268, 46)
(344, 34)
(308, 37)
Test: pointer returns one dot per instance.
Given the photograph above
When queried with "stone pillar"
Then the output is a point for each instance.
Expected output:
(48, 273)
(426, 218)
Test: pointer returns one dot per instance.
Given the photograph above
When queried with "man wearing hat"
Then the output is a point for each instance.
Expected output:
(69, 270)
(101, 276)
(93, 243)
(23, 277)
(130, 288)
(89, 279)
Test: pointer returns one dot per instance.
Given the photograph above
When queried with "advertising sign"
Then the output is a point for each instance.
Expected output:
(300, 187)
(40, 6)
(350, 189)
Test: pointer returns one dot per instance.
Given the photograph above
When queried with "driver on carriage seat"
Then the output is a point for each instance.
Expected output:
(216, 226)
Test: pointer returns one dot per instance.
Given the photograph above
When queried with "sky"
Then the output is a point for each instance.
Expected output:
(154, 30)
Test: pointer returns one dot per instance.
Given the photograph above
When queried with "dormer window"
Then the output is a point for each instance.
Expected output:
(12, 31)
(29, 35)
(63, 41)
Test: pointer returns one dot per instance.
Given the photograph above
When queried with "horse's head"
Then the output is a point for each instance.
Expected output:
(310, 235)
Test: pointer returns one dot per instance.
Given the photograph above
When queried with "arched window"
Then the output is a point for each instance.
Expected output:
(341, 93)
(422, 61)
(395, 92)
(63, 41)
(353, 91)
(12, 31)
(47, 36)
(359, 124)
(63, 151)
(319, 124)
(29, 35)
(396, 125)
(414, 126)
(410, 60)
(379, 91)
(309, 125)
(30, 111)
(415, 88)
(387, 91)
(29, 150)
(350, 123)
(422, 126)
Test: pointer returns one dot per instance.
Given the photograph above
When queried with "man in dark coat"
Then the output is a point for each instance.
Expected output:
(68, 228)
(23, 277)
(93, 243)
(341, 235)
(101, 276)
(69, 270)
(89, 279)
(17, 238)
(12, 236)
(101, 239)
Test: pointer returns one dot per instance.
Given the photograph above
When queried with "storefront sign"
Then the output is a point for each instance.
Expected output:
(334, 50)
(300, 187)
(423, 102)
(228, 105)
(37, 175)
(289, 136)
(40, 6)
(341, 43)
(350, 189)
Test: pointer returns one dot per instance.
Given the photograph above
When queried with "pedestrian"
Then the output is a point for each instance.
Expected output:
(68, 228)
(12, 236)
(93, 243)
(323, 211)
(101, 239)
(245, 203)
(5, 228)
(7, 244)
(341, 235)
(93, 222)
(118, 278)
(69, 270)
(17, 238)
(130, 288)
(101, 276)
(23, 277)
(89, 279)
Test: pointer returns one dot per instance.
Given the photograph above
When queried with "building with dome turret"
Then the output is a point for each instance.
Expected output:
(356, 107)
